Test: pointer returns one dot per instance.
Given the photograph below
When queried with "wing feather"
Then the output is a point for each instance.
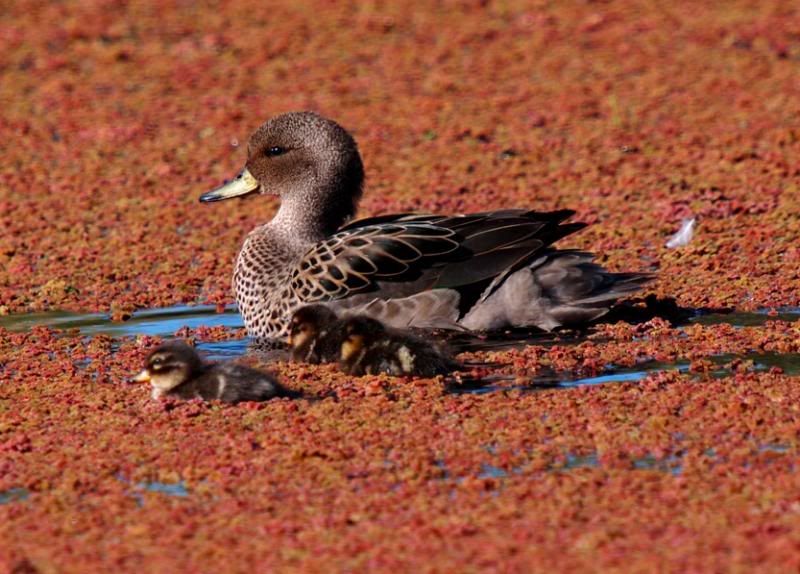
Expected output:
(362, 256)
(472, 254)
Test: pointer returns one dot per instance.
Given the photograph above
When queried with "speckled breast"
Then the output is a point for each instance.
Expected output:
(261, 285)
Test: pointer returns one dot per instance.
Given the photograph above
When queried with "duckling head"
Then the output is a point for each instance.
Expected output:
(168, 366)
(360, 332)
(309, 161)
(306, 325)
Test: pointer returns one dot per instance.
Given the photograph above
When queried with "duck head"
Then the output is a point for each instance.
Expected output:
(307, 323)
(168, 366)
(359, 332)
(309, 161)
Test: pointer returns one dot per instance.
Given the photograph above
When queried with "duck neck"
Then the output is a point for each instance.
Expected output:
(315, 215)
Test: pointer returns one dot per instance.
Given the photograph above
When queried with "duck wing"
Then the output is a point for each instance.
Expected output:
(356, 260)
(403, 254)
(500, 242)
(392, 218)
(452, 221)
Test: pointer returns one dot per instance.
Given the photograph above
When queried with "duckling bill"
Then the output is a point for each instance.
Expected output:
(315, 334)
(370, 348)
(176, 370)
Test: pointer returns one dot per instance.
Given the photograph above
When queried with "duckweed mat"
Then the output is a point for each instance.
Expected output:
(117, 116)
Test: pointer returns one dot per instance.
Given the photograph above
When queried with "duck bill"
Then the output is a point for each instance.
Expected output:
(242, 184)
(351, 347)
(143, 377)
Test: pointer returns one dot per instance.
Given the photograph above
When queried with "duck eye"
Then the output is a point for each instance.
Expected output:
(275, 150)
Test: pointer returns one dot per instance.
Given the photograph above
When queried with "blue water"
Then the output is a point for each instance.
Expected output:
(155, 322)
(167, 321)
(175, 489)
(170, 489)
(789, 363)
(775, 447)
(620, 377)
(13, 495)
(671, 465)
(753, 319)
(581, 461)
(222, 350)
(491, 471)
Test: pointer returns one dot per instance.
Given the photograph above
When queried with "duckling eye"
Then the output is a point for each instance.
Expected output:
(274, 151)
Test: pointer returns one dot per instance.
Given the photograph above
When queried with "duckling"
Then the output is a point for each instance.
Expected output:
(369, 347)
(315, 335)
(176, 370)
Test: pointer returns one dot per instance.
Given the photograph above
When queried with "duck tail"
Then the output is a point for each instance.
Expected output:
(579, 290)
(558, 288)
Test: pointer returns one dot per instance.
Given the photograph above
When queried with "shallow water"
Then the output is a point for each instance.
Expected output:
(750, 319)
(491, 471)
(581, 461)
(173, 489)
(170, 489)
(671, 464)
(223, 350)
(162, 322)
(13, 495)
(775, 447)
(551, 380)
(165, 322)
(789, 363)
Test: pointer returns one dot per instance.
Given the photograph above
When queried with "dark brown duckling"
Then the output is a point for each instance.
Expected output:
(176, 370)
(315, 335)
(369, 348)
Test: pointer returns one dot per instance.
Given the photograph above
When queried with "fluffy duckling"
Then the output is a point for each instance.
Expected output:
(369, 347)
(176, 370)
(315, 335)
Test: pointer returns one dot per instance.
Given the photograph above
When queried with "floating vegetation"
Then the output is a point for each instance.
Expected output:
(651, 443)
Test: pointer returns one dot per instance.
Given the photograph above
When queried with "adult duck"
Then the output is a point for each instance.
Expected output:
(479, 271)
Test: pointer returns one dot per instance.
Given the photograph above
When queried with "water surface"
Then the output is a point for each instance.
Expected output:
(165, 322)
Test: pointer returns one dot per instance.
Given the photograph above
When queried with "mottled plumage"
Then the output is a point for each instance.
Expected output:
(477, 271)
(315, 335)
(175, 370)
(369, 348)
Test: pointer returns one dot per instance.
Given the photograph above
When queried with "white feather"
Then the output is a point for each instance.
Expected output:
(684, 235)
